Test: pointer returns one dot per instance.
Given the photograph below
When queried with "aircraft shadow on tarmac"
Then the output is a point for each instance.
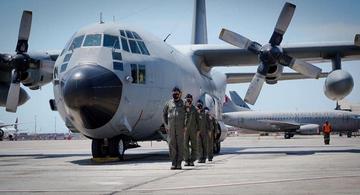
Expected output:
(163, 156)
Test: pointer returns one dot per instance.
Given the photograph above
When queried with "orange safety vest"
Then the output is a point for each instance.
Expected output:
(327, 128)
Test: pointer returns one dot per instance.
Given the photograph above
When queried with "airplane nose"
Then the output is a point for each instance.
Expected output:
(92, 93)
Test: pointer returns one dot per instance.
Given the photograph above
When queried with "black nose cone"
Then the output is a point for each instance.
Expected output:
(92, 94)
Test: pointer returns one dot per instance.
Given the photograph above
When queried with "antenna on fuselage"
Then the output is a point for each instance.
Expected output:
(101, 19)
(167, 37)
(113, 18)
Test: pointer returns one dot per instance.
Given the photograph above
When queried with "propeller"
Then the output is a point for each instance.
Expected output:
(270, 54)
(20, 62)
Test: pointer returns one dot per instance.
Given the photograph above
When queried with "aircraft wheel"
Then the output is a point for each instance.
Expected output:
(217, 147)
(1, 135)
(287, 136)
(349, 134)
(117, 147)
(98, 149)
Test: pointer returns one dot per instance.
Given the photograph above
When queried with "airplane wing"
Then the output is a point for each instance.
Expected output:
(227, 55)
(246, 77)
(282, 126)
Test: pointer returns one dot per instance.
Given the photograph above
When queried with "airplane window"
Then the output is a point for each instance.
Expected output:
(63, 67)
(136, 36)
(111, 41)
(143, 48)
(129, 34)
(142, 74)
(67, 57)
(133, 46)
(134, 73)
(122, 32)
(116, 56)
(118, 66)
(76, 43)
(92, 40)
(124, 44)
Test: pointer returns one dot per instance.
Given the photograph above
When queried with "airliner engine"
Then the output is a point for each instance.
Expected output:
(309, 129)
(338, 85)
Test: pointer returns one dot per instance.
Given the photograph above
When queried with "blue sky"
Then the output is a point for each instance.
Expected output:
(314, 21)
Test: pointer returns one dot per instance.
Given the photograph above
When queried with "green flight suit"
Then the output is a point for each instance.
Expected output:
(174, 119)
(203, 136)
(192, 118)
(211, 127)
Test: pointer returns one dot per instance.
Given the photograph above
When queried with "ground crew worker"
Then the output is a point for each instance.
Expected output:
(327, 130)
(211, 128)
(203, 134)
(192, 128)
(174, 120)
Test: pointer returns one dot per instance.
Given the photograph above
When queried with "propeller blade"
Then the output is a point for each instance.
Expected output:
(13, 94)
(234, 39)
(24, 32)
(300, 66)
(282, 24)
(254, 88)
(306, 69)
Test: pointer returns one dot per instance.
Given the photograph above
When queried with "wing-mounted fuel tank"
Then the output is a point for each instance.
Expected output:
(338, 83)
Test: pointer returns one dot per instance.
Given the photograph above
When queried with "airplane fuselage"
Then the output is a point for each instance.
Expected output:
(262, 121)
(104, 88)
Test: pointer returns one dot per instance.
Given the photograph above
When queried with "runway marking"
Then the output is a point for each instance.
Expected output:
(246, 183)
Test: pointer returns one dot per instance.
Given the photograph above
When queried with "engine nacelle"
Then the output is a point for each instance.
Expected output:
(338, 85)
(23, 97)
(274, 74)
(310, 129)
(40, 72)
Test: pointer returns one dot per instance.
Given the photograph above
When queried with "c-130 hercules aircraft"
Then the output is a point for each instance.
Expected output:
(111, 80)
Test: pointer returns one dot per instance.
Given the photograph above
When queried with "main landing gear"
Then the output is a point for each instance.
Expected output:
(288, 135)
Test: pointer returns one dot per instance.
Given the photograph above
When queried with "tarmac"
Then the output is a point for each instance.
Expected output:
(246, 165)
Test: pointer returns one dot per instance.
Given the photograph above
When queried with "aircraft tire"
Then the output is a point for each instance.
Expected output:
(117, 147)
(287, 136)
(349, 134)
(98, 149)
(1, 135)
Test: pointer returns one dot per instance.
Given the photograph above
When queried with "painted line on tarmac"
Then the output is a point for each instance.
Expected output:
(246, 183)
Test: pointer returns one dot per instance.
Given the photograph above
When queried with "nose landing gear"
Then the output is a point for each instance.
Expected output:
(104, 150)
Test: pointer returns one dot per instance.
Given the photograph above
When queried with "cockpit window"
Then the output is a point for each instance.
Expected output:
(136, 36)
(111, 41)
(129, 34)
(122, 33)
(133, 46)
(131, 41)
(92, 40)
(143, 47)
(76, 43)
(124, 44)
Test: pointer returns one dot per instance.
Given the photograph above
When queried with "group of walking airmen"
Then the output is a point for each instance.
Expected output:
(190, 130)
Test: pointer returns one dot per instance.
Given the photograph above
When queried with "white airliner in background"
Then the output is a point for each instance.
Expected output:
(8, 131)
(111, 80)
(306, 123)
